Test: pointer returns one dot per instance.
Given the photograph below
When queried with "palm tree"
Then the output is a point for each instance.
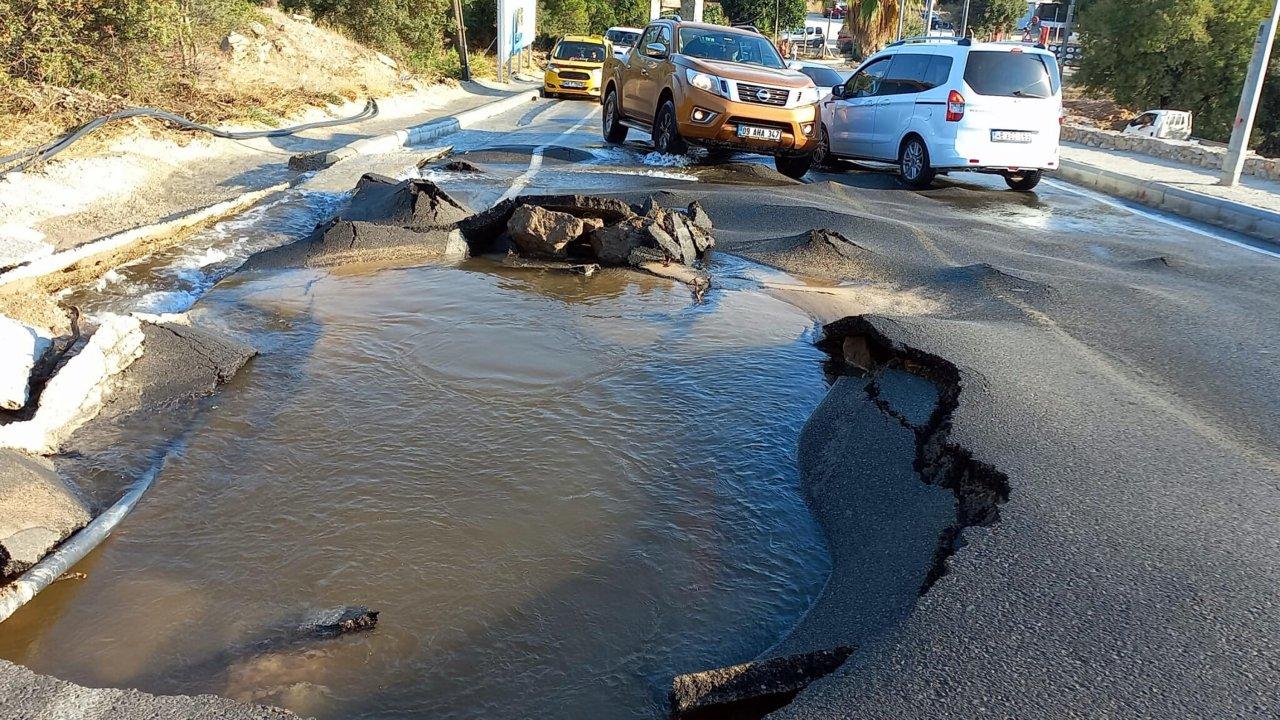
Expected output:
(872, 23)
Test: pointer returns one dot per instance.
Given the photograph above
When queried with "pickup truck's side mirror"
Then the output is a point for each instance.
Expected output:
(837, 91)
(655, 50)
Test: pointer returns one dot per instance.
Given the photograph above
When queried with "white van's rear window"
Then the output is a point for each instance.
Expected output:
(1011, 74)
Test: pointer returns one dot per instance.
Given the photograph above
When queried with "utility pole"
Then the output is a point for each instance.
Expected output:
(462, 40)
(902, 17)
(964, 22)
(776, 9)
(1233, 164)
(928, 18)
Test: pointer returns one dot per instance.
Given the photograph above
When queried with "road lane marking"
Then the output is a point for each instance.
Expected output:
(1158, 218)
(535, 160)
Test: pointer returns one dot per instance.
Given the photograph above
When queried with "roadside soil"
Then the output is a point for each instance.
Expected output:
(283, 71)
(281, 66)
(147, 177)
(1094, 110)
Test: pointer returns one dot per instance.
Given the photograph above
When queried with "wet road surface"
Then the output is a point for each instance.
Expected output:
(1118, 366)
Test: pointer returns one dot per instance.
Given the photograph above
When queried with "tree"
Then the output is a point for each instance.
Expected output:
(1183, 54)
(872, 24)
(714, 15)
(569, 17)
(557, 18)
(790, 13)
(991, 18)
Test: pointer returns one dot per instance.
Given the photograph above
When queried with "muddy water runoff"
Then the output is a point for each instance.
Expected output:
(558, 491)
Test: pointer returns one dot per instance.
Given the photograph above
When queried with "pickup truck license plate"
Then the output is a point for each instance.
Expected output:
(574, 84)
(759, 133)
(1012, 136)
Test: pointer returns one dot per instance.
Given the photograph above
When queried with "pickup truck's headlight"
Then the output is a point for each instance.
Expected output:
(808, 96)
(703, 81)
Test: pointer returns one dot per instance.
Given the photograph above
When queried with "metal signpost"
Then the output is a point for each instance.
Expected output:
(1233, 164)
(516, 27)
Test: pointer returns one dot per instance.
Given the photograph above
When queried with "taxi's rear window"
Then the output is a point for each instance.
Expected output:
(1011, 74)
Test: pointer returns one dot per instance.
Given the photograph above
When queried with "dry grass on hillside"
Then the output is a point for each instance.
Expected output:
(290, 66)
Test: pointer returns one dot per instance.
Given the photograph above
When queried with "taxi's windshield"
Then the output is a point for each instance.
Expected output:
(728, 46)
(585, 51)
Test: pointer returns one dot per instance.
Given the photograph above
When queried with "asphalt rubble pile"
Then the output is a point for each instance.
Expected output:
(415, 219)
(584, 232)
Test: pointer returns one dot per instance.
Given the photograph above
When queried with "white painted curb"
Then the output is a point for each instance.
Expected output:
(76, 394)
(1248, 219)
(63, 260)
(425, 132)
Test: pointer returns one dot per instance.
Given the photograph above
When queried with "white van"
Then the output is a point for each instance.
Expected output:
(937, 105)
(623, 39)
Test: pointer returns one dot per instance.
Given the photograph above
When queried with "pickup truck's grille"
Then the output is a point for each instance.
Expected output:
(574, 75)
(762, 95)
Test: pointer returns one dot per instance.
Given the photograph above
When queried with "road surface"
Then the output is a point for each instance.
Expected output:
(1116, 365)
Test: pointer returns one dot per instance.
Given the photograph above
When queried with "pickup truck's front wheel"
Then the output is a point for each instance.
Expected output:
(793, 166)
(666, 134)
(614, 131)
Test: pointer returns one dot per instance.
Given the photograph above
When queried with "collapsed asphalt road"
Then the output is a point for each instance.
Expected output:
(1116, 370)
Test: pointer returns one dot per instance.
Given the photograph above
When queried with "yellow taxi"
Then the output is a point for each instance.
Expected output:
(575, 67)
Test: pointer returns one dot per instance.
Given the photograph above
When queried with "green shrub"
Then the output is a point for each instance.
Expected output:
(714, 15)
(990, 17)
(1182, 54)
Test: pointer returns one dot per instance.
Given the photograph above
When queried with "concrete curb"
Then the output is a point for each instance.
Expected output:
(63, 260)
(1247, 219)
(426, 132)
(76, 394)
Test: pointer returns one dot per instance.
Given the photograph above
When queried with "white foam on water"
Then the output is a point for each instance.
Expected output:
(208, 257)
(657, 159)
(610, 155)
(669, 175)
(168, 301)
(108, 277)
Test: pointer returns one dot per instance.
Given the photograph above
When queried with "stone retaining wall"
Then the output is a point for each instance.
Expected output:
(1189, 152)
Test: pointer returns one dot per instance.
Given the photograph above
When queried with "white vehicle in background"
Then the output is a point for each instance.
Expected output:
(939, 105)
(822, 75)
(1166, 124)
(623, 39)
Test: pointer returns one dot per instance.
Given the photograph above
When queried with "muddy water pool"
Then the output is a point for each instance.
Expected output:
(559, 492)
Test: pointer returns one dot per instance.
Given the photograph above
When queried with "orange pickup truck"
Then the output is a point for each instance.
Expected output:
(713, 86)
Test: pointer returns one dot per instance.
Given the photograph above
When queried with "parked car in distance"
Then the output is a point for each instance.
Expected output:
(712, 86)
(810, 36)
(939, 105)
(1167, 124)
(575, 66)
(822, 75)
(623, 39)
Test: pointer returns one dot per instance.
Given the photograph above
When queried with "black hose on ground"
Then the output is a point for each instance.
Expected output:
(30, 156)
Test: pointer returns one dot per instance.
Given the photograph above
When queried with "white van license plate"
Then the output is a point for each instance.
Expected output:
(574, 84)
(759, 133)
(1012, 136)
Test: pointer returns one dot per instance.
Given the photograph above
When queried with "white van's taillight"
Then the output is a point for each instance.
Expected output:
(955, 107)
